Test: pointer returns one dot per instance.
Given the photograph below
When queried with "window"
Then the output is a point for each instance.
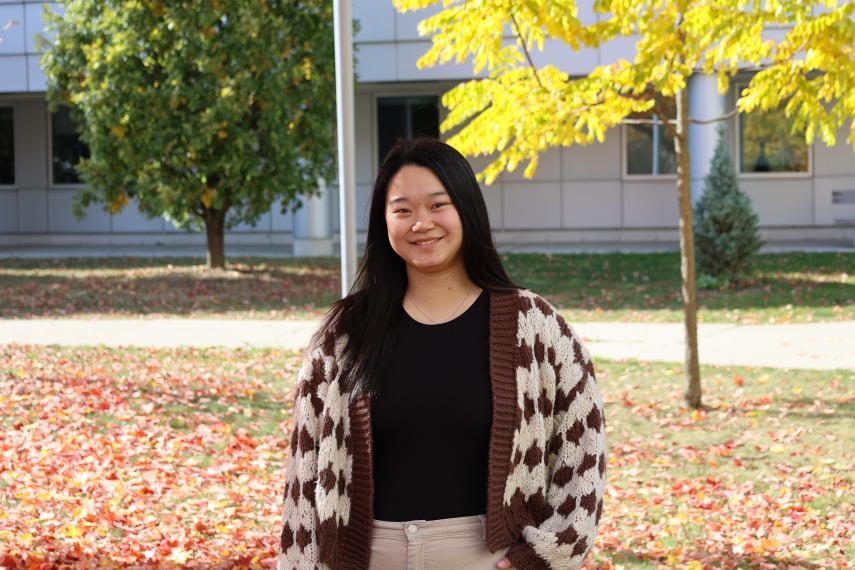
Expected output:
(67, 148)
(7, 146)
(649, 150)
(766, 145)
(405, 117)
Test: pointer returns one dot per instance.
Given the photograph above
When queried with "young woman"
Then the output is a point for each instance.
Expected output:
(445, 418)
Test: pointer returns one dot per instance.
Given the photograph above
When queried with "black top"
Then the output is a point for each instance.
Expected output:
(431, 420)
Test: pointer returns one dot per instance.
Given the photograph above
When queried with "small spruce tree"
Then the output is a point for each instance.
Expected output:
(725, 225)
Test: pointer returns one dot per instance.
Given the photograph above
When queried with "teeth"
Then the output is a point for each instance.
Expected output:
(427, 242)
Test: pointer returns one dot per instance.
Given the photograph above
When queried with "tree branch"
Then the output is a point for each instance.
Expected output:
(525, 49)
(724, 117)
(672, 121)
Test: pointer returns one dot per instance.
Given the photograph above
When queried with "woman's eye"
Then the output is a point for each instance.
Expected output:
(401, 211)
(440, 204)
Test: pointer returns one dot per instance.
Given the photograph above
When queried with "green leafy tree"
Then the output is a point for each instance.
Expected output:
(725, 224)
(204, 112)
(520, 110)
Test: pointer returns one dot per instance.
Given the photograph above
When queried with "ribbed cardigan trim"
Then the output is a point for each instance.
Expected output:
(350, 546)
(503, 332)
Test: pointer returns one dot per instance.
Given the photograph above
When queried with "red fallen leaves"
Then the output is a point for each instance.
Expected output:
(782, 516)
(148, 459)
(109, 461)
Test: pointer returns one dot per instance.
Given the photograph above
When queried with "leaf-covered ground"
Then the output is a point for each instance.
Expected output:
(792, 287)
(99, 288)
(175, 458)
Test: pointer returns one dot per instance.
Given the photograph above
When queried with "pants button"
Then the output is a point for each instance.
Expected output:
(412, 529)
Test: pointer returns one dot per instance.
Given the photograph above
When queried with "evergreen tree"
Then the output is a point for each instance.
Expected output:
(725, 225)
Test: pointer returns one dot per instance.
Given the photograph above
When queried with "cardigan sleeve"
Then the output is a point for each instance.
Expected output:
(576, 460)
(298, 544)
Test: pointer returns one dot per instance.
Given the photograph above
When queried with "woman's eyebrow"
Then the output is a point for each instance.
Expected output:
(403, 199)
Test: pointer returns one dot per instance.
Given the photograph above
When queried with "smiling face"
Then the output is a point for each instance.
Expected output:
(424, 227)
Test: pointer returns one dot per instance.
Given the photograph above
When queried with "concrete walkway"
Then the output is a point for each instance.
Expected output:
(813, 345)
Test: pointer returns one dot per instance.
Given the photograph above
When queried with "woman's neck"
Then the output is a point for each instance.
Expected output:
(439, 294)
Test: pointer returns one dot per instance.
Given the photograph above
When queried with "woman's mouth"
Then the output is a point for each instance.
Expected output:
(426, 242)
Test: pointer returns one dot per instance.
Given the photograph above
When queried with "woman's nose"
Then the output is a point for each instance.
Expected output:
(422, 225)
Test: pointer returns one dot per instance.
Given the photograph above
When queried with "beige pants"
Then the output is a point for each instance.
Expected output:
(443, 544)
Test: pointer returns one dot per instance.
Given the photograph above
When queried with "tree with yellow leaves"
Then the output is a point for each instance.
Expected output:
(519, 110)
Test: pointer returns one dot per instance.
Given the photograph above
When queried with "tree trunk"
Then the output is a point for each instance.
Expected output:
(687, 252)
(215, 227)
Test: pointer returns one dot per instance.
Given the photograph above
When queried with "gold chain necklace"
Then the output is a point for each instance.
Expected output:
(450, 316)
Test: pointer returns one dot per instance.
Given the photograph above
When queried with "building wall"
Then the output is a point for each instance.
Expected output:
(579, 193)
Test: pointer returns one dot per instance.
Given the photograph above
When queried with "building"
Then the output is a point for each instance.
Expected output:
(621, 190)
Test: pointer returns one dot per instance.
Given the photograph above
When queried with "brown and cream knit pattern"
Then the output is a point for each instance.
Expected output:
(546, 476)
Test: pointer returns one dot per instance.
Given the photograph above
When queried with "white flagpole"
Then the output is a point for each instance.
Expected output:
(346, 140)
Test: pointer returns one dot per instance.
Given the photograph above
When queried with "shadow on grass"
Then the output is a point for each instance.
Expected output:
(278, 287)
(166, 286)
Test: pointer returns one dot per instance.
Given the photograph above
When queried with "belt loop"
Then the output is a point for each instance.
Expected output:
(483, 527)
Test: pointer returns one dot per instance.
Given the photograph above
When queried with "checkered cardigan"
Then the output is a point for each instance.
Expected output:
(547, 451)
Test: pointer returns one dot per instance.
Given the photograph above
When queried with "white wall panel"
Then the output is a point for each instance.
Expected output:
(617, 48)
(376, 20)
(493, 198)
(591, 204)
(650, 204)
(836, 160)
(130, 219)
(8, 210)
(827, 212)
(406, 24)
(376, 62)
(532, 205)
(61, 218)
(561, 55)
(13, 73)
(13, 38)
(410, 52)
(32, 210)
(781, 201)
(586, 12)
(35, 75)
(35, 23)
(594, 161)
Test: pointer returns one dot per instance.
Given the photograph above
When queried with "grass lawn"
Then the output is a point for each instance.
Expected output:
(789, 287)
(158, 457)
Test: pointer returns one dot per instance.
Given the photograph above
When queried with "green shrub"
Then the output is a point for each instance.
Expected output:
(725, 225)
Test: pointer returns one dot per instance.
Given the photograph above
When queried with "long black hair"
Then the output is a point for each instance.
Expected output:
(370, 313)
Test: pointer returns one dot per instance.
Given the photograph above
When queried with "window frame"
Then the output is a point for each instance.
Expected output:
(624, 153)
(13, 185)
(51, 183)
(738, 86)
(624, 161)
(375, 110)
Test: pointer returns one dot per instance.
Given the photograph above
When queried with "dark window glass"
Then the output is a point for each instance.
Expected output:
(649, 150)
(767, 145)
(7, 145)
(405, 117)
(68, 149)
